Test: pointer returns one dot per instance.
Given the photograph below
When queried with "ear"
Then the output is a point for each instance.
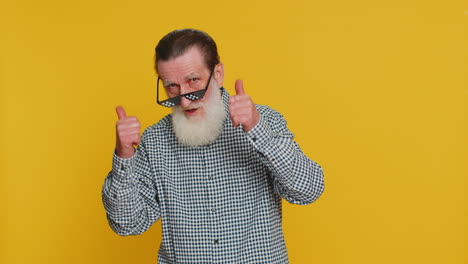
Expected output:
(218, 74)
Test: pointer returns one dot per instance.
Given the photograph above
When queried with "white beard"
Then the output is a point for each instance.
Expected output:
(200, 131)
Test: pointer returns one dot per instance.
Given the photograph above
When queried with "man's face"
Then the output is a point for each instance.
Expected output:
(199, 122)
(188, 73)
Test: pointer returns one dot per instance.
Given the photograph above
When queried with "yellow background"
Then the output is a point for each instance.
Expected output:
(374, 91)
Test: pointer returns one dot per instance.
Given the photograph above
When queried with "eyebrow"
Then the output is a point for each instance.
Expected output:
(167, 83)
(190, 76)
(187, 77)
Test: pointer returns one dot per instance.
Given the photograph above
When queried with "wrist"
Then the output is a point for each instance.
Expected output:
(125, 153)
(248, 127)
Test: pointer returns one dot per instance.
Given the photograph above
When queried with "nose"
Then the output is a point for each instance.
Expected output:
(184, 102)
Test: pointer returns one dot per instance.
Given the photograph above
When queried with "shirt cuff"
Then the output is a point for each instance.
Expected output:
(261, 134)
(122, 167)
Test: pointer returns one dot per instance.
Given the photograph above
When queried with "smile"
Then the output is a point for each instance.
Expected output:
(191, 111)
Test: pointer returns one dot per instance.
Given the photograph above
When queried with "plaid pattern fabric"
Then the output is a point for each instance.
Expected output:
(219, 203)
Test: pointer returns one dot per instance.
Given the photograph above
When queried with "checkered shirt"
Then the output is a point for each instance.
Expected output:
(219, 203)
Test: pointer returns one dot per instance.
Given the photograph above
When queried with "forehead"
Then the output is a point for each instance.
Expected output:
(191, 61)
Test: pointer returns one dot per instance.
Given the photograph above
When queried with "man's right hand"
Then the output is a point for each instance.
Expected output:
(127, 134)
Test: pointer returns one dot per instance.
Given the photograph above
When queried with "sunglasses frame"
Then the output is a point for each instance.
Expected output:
(174, 101)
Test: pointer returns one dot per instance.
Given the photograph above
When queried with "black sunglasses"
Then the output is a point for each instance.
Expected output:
(171, 102)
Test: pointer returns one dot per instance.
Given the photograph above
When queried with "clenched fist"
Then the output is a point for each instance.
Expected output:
(242, 109)
(127, 134)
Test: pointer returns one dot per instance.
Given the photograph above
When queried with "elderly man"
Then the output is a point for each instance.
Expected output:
(215, 170)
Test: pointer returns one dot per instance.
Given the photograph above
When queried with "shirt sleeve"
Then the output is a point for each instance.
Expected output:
(129, 194)
(296, 178)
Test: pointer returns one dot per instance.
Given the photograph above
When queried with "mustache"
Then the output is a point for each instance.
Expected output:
(191, 106)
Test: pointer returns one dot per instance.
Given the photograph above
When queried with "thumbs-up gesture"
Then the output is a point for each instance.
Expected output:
(127, 133)
(242, 109)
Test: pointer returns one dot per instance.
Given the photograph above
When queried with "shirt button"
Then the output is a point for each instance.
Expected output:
(122, 168)
(216, 241)
(213, 210)
(254, 139)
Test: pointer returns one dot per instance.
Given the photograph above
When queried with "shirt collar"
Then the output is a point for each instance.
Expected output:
(225, 97)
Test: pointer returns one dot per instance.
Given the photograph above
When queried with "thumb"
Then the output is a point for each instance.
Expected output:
(121, 112)
(239, 87)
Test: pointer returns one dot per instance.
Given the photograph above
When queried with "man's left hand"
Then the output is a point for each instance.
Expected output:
(242, 109)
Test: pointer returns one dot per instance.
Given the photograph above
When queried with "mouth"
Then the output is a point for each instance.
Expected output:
(191, 111)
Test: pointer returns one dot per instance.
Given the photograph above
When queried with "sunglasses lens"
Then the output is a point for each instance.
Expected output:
(170, 102)
(195, 95)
